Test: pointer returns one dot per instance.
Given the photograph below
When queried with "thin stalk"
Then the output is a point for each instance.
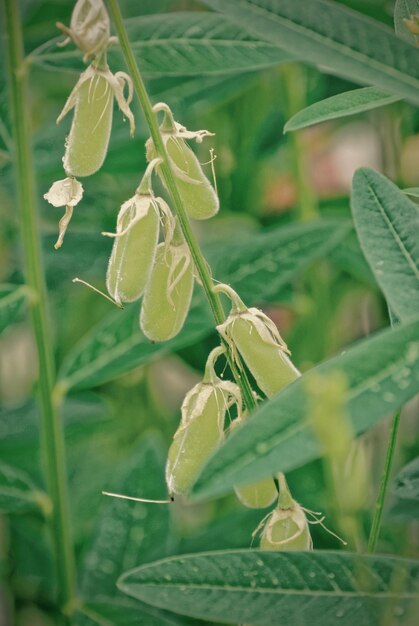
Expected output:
(52, 439)
(379, 505)
(170, 182)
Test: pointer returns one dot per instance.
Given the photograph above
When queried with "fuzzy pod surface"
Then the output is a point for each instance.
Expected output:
(199, 434)
(286, 529)
(134, 250)
(87, 143)
(168, 294)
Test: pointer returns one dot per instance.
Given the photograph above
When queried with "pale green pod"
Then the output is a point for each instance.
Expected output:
(134, 249)
(198, 196)
(168, 294)
(286, 529)
(198, 436)
(258, 341)
(87, 143)
(257, 495)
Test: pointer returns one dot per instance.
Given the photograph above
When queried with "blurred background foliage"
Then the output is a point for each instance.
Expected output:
(319, 292)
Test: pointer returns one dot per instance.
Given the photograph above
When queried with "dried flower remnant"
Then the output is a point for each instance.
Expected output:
(66, 192)
(198, 195)
(89, 28)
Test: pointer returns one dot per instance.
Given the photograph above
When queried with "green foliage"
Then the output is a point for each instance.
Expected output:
(406, 483)
(11, 302)
(313, 588)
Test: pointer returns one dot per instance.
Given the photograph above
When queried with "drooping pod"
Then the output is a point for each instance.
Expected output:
(286, 527)
(93, 97)
(201, 428)
(258, 341)
(257, 495)
(199, 198)
(168, 293)
(135, 245)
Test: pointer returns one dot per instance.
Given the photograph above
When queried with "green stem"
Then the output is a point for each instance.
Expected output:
(379, 505)
(52, 439)
(170, 183)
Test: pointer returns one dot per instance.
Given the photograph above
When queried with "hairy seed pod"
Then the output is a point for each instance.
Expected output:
(89, 27)
(134, 248)
(201, 429)
(87, 143)
(258, 495)
(286, 529)
(168, 294)
(257, 339)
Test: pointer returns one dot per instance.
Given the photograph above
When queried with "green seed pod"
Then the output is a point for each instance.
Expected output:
(257, 339)
(199, 198)
(87, 143)
(89, 27)
(134, 248)
(258, 495)
(93, 97)
(201, 428)
(286, 527)
(168, 294)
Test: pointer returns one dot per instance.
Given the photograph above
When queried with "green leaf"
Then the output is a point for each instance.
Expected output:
(387, 225)
(406, 483)
(381, 372)
(259, 268)
(129, 532)
(127, 612)
(12, 298)
(405, 9)
(18, 493)
(341, 105)
(328, 34)
(412, 191)
(265, 588)
(180, 44)
(117, 345)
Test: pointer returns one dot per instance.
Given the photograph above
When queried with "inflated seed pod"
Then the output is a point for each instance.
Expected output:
(87, 143)
(168, 294)
(199, 198)
(201, 429)
(134, 248)
(257, 339)
(257, 495)
(286, 527)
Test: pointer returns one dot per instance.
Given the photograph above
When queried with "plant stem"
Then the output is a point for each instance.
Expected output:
(379, 505)
(52, 439)
(170, 182)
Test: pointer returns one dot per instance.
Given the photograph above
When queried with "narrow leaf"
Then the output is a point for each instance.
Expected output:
(412, 191)
(342, 105)
(129, 532)
(328, 34)
(17, 491)
(12, 298)
(406, 483)
(387, 224)
(265, 588)
(405, 10)
(381, 372)
(180, 44)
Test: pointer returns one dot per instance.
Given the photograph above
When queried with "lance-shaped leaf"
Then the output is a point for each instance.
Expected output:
(381, 372)
(387, 224)
(341, 105)
(266, 588)
(180, 44)
(18, 493)
(406, 483)
(11, 302)
(330, 35)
